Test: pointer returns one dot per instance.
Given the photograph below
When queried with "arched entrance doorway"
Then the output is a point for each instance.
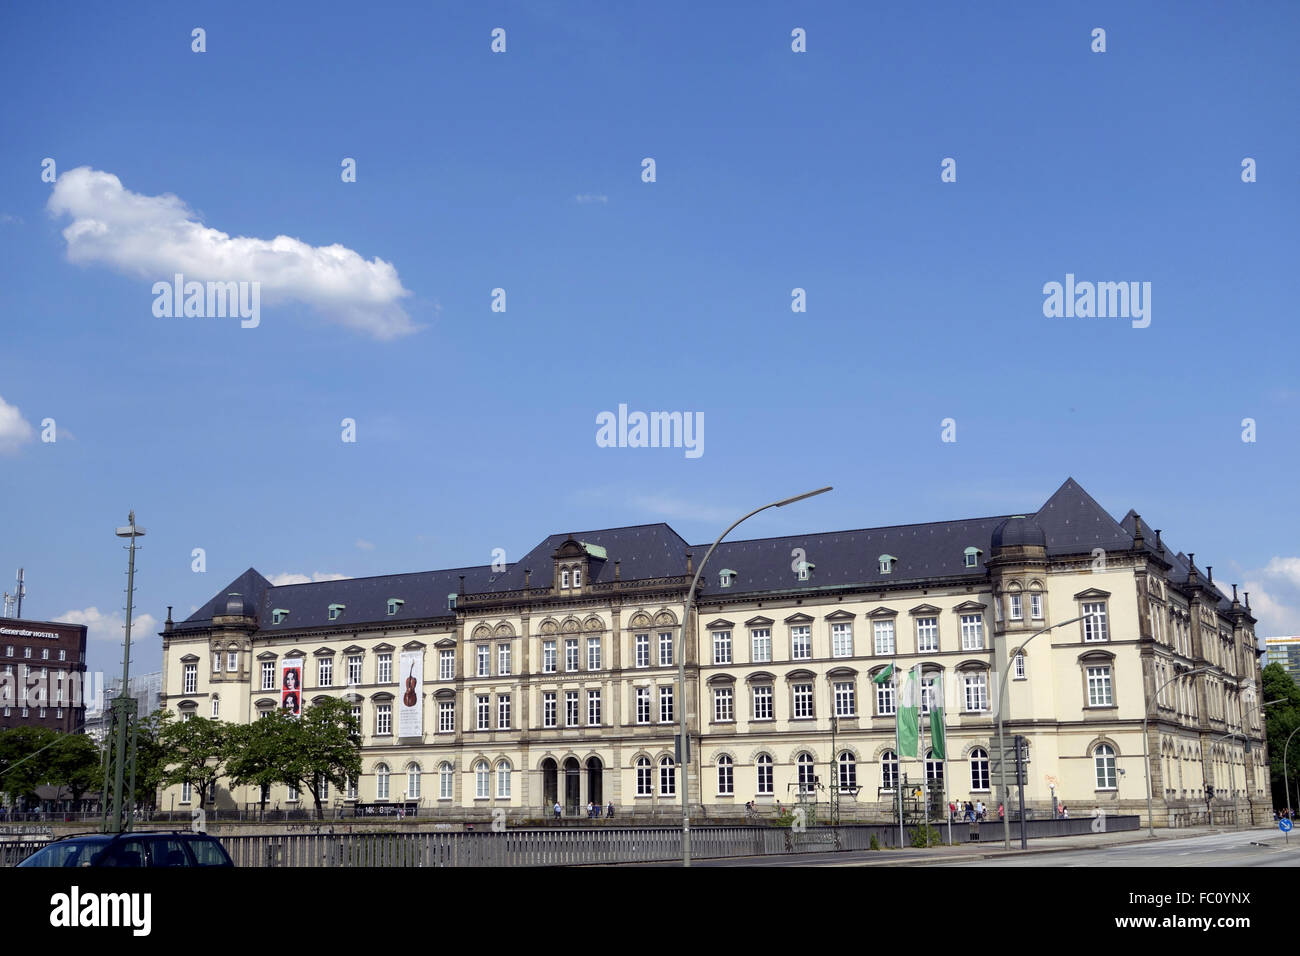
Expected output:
(572, 785)
(550, 788)
(595, 774)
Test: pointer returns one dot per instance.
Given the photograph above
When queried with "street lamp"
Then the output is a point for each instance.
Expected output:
(1286, 779)
(1146, 749)
(123, 703)
(681, 664)
(1002, 746)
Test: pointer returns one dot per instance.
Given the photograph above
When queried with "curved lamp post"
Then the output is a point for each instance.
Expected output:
(1146, 749)
(1286, 780)
(681, 662)
(1002, 747)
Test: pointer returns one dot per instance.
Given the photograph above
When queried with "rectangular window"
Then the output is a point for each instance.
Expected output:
(191, 678)
(927, 634)
(564, 579)
(483, 666)
(187, 792)
(665, 650)
(325, 672)
(446, 665)
(27, 652)
(548, 708)
(643, 771)
(884, 637)
(765, 775)
(643, 650)
(1018, 667)
(842, 639)
(503, 660)
(803, 700)
(268, 675)
(503, 712)
(722, 704)
(929, 693)
(383, 719)
(761, 640)
(216, 707)
(593, 653)
(356, 715)
(446, 716)
(484, 707)
(570, 708)
(63, 655)
(232, 661)
(977, 691)
(385, 675)
(45, 653)
(354, 670)
(1036, 606)
(801, 643)
(548, 657)
(722, 647)
(1094, 628)
(1017, 610)
(665, 705)
(643, 705)
(972, 632)
(762, 703)
(885, 700)
(1099, 690)
(593, 708)
(845, 699)
(571, 654)
(9, 651)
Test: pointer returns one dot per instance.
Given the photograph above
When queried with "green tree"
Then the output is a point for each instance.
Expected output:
(150, 759)
(261, 753)
(26, 759)
(329, 748)
(75, 765)
(196, 750)
(1280, 722)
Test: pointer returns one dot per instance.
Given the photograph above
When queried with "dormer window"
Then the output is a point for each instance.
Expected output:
(564, 578)
(278, 615)
(577, 577)
(336, 610)
(451, 601)
(394, 605)
(805, 570)
(887, 563)
(972, 557)
(726, 577)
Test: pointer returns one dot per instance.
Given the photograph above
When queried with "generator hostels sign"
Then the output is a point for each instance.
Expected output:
(410, 714)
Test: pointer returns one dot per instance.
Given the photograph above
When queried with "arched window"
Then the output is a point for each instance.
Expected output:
(667, 777)
(848, 771)
(444, 781)
(1104, 758)
(807, 778)
(765, 774)
(979, 769)
(726, 779)
(482, 780)
(381, 782)
(216, 706)
(503, 779)
(413, 781)
(889, 770)
(643, 785)
(933, 767)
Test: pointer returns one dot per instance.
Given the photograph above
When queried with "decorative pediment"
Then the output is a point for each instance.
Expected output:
(296, 652)
(323, 652)
(481, 633)
(924, 610)
(381, 697)
(666, 619)
(593, 623)
(799, 618)
(320, 699)
(721, 679)
(445, 693)
(719, 625)
(352, 698)
(1092, 594)
(413, 646)
(759, 622)
(760, 677)
(639, 619)
(504, 629)
(265, 703)
(353, 649)
(882, 612)
(970, 607)
(841, 672)
(190, 659)
(571, 626)
(972, 665)
(840, 615)
(800, 674)
(551, 627)
(383, 647)
(267, 656)
(1096, 656)
(570, 549)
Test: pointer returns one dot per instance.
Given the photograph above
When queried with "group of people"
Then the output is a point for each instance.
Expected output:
(1283, 814)
(593, 810)
(971, 812)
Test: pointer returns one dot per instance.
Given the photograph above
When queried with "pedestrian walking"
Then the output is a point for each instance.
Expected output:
(1001, 812)
(609, 811)
(557, 809)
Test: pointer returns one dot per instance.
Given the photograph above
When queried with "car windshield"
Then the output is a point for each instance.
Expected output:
(67, 852)
(209, 853)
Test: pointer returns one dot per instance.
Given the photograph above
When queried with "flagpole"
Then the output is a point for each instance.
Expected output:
(898, 750)
(943, 723)
(920, 750)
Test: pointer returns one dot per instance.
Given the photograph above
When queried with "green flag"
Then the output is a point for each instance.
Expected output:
(884, 675)
(936, 725)
(909, 717)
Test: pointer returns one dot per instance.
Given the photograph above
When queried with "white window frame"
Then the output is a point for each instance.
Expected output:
(665, 649)
(972, 632)
(1036, 605)
(191, 679)
(643, 705)
(503, 659)
(846, 699)
(446, 716)
(482, 780)
(642, 644)
(886, 638)
(667, 777)
(503, 711)
(722, 647)
(1018, 671)
(841, 639)
(324, 672)
(593, 708)
(1104, 767)
(766, 776)
(571, 714)
(571, 660)
(483, 660)
(666, 705)
(504, 772)
(886, 699)
(801, 642)
(548, 657)
(644, 777)
(726, 776)
(1095, 632)
(593, 653)
(482, 712)
(383, 719)
(889, 771)
(564, 578)
(1017, 607)
(979, 770)
(803, 701)
(356, 663)
(382, 781)
(446, 781)
(1101, 692)
(724, 705)
(268, 675)
(763, 702)
(384, 670)
(760, 642)
(447, 664)
(975, 690)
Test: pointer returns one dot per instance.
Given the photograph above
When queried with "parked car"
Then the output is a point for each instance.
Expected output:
(177, 848)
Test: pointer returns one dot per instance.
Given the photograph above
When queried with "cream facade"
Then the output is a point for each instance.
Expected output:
(556, 678)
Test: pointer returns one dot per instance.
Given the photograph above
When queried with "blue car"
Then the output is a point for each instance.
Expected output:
(133, 850)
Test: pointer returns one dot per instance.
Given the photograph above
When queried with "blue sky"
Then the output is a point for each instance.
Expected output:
(522, 170)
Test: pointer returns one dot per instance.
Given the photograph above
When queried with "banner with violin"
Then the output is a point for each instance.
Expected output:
(410, 715)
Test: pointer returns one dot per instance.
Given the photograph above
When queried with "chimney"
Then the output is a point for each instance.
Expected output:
(690, 565)
(618, 574)
(167, 625)
(1235, 602)
(1137, 531)
(1209, 573)
(1247, 594)
(462, 584)
(1160, 545)
(528, 577)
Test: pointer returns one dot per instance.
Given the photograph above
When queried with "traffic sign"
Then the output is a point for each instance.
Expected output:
(1284, 825)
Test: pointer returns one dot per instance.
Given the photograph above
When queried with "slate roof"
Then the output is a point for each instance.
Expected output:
(1180, 564)
(1071, 520)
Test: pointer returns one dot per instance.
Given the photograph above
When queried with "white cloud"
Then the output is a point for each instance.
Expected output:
(291, 577)
(110, 627)
(14, 429)
(1274, 616)
(1288, 569)
(365, 545)
(6, 219)
(154, 237)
